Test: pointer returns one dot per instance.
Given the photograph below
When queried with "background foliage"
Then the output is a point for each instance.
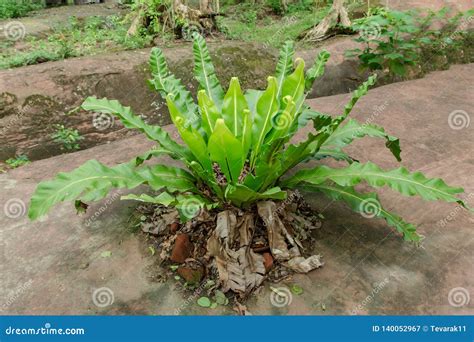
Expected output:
(19, 8)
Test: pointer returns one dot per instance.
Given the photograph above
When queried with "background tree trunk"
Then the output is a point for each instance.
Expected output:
(201, 20)
(337, 15)
(204, 6)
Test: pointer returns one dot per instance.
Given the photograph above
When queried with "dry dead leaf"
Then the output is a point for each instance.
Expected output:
(240, 270)
(275, 229)
(302, 265)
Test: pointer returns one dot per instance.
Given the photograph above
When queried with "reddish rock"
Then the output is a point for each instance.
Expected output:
(267, 261)
(182, 249)
(174, 227)
(192, 276)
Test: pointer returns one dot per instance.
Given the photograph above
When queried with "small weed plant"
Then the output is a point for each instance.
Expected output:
(68, 138)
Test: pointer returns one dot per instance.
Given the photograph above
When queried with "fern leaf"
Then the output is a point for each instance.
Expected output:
(358, 93)
(190, 136)
(285, 64)
(166, 83)
(164, 198)
(369, 205)
(294, 84)
(169, 177)
(204, 71)
(320, 120)
(241, 194)
(226, 150)
(131, 120)
(401, 180)
(296, 153)
(336, 154)
(267, 107)
(233, 106)
(92, 181)
(317, 69)
(209, 112)
(252, 96)
(155, 152)
(344, 135)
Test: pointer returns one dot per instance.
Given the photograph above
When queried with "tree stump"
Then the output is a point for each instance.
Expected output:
(337, 15)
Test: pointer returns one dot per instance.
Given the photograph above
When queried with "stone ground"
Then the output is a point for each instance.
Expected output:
(461, 5)
(34, 98)
(54, 265)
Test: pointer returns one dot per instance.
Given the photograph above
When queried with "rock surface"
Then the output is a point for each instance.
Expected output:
(55, 265)
(460, 5)
(34, 98)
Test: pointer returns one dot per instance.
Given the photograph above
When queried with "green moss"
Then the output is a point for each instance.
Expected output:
(37, 100)
(7, 98)
(249, 62)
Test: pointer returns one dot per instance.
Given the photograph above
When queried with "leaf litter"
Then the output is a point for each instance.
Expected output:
(226, 261)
